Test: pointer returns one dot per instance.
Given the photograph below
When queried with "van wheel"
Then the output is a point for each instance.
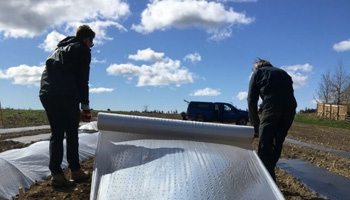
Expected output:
(242, 121)
(200, 118)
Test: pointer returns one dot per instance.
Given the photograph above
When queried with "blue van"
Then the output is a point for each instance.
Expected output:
(218, 111)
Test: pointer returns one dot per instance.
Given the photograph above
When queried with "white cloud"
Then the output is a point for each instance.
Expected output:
(299, 80)
(299, 74)
(147, 55)
(127, 69)
(95, 60)
(342, 46)
(33, 17)
(51, 41)
(23, 74)
(212, 16)
(242, 95)
(221, 33)
(206, 92)
(160, 73)
(195, 57)
(294, 68)
(100, 90)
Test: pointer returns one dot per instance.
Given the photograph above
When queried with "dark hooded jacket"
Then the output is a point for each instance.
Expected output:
(67, 71)
(275, 87)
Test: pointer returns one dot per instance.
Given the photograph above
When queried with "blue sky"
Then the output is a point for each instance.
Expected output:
(154, 54)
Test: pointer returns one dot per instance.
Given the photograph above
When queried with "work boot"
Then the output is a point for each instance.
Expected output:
(59, 180)
(79, 176)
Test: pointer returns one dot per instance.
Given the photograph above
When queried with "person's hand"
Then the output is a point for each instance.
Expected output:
(85, 116)
(256, 130)
(255, 121)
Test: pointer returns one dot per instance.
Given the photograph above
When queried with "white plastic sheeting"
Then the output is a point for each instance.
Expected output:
(88, 127)
(23, 167)
(150, 158)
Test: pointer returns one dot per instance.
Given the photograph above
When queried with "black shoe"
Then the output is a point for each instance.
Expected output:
(59, 180)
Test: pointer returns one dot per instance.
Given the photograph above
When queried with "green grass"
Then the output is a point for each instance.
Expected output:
(21, 118)
(315, 120)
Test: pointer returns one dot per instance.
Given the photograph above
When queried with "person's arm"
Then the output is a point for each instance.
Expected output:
(84, 73)
(253, 98)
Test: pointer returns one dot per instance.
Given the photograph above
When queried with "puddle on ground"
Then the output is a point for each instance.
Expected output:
(344, 154)
(319, 180)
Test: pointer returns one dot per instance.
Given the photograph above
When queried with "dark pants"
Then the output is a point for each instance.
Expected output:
(274, 126)
(63, 114)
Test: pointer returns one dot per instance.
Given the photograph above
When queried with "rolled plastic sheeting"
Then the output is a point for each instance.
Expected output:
(23, 167)
(151, 158)
(149, 127)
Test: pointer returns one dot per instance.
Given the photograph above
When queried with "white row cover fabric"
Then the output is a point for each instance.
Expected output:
(150, 158)
(23, 167)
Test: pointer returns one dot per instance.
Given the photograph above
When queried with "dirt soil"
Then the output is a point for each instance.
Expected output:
(291, 188)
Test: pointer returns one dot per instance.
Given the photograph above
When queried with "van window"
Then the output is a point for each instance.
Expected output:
(200, 105)
(227, 108)
(203, 105)
(216, 107)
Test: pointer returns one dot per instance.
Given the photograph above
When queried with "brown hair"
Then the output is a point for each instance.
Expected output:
(261, 63)
(84, 31)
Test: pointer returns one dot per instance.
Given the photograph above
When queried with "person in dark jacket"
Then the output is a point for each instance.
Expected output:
(64, 86)
(275, 88)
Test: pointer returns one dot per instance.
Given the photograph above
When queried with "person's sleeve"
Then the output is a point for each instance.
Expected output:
(84, 73)
(253, 98)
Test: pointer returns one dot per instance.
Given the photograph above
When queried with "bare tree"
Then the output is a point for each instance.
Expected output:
(347, 95)
(324, 91)
(334, 87)
(145, 108)
(340, 81)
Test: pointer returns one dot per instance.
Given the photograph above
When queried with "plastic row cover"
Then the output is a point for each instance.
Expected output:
(23, 167)
(151, 158)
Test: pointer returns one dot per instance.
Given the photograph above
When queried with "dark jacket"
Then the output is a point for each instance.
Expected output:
(67, 71)
(275, 87)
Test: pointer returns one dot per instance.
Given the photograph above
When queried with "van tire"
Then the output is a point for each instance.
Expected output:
(242, 121)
